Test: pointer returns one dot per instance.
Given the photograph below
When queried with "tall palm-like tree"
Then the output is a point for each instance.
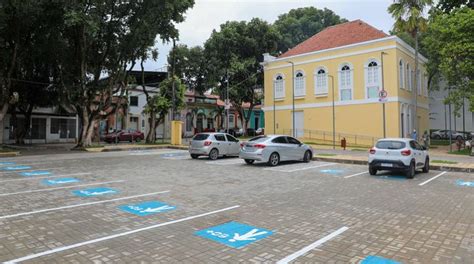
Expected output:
(408, 15)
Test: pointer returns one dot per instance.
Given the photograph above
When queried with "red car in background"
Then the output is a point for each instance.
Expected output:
(124, 135)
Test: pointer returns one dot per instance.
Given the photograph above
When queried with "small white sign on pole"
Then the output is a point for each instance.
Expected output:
(383, 96)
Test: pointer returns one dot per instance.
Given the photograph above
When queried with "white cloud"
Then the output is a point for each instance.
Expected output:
(207, 15)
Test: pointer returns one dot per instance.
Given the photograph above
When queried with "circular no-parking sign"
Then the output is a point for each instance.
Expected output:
(383, 96)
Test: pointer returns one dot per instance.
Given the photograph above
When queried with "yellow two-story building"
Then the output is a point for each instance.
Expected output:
(342, 70)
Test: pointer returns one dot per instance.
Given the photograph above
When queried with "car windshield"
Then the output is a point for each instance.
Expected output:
(258, 139)
(201, 137)
(390, 144)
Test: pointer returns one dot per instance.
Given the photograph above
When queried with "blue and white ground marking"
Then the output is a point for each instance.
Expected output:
(464, 183)
(393, 177)
(94, 192)
(378, 260)
(5, 163)
(332, 171)
(14, 168)
(147, 208)
(234, 234)
(35, 173)
(59, 181)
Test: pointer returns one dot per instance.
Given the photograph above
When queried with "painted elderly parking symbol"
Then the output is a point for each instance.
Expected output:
(94, 192)
(378, 260)
(147, 208)
(234, 234)
(332, 171)
(35, 173)
(59, 181)
(13, 168)
(464, 183)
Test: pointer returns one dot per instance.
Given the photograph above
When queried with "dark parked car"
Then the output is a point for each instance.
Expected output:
(124, 135)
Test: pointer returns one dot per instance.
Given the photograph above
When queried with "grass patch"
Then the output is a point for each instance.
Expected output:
(444, 161)
(326, 155)
(439, 142)
(461, 152)
(358, 149)
(7, 150)
(143, 143)
(433, 147)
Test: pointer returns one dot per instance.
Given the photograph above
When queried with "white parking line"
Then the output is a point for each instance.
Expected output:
(357, 174)
(45, 177)
(312, 246)
(79, 205)
(282, 168)
(59, 188)
(425, 182)
(56, 250)
(177, 158)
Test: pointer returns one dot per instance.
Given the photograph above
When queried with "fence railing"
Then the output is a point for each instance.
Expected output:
(326, 137)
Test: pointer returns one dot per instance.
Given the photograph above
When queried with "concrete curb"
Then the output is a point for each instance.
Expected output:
(364, 162)
(9, 154)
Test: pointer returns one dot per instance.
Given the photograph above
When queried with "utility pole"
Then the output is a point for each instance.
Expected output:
(450, 131)
(227, 104)
(173, 110)
(293, 94)
(383, 103)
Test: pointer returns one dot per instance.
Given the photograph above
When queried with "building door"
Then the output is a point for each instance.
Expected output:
(299, 124)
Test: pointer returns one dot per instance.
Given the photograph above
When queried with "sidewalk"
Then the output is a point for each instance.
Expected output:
(438, 159)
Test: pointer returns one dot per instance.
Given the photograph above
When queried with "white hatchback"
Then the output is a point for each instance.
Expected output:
(398, 154)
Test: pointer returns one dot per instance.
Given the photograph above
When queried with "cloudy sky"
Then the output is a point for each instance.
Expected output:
(207, 15)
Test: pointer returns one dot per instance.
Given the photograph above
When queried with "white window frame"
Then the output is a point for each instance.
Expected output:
(401, 73)
(279, 95)
(351, 80)
(300, 84)
(321, 82)
(373, 77)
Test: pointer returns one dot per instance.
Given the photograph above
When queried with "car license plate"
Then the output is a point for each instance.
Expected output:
(387, 165)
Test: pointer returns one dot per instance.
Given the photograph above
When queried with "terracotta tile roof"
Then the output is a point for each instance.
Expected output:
(336, 36)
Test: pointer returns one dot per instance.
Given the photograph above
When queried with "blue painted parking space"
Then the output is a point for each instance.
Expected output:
(59, 181)
(94, 192)
(234, 234)
(35, 173)
(392, 177)
(5, 163)
(336, 172)
(464, 183)
(14, 168)
(378, 260)
(147, 208)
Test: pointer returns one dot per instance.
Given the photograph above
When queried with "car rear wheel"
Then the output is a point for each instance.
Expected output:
(274, 159)
(214, 154)
(437, 137)
(372, 170)
(194, 156)
(307, 156)
(249, 161)
(426, 168)
(138, 139)
(411, 171)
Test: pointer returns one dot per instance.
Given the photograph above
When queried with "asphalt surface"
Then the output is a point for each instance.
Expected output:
(162, 206)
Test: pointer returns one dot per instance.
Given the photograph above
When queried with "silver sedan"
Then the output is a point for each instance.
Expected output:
(214, 145)
(273, 149)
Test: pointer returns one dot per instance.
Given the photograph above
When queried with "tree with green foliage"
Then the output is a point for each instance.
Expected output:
(408, 15)
(190, 66)
(233, 55)
(449, 5)
(107, 38)
(160, 104)
(450, 42)
(300, 24)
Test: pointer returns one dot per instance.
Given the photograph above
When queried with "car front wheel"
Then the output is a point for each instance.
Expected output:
(307, 156)
(249, 161)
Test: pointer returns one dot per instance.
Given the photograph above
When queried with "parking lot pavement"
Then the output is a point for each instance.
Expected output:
(163, 206)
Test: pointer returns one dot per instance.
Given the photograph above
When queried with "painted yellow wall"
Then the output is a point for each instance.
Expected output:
(360, 119)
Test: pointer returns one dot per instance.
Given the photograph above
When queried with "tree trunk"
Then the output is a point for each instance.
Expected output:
(415, 115)
(151, 135)
(3, 113)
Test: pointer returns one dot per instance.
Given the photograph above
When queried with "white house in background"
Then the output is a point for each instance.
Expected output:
(439, 113)
(46, 126)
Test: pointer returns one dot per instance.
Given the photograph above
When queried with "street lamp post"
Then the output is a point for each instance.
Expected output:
(293, 94)
(333, 114)
(274, 112)
(227, 105)
(383, 89)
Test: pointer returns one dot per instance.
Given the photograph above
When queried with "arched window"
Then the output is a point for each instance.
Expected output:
(300, 89)
(401, 75)
(279, 87)
(189, 122)
(409, 82)
(321, 82)
(372, 79)
(345, 81)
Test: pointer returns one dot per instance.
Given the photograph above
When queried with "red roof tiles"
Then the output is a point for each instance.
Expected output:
(336, 36)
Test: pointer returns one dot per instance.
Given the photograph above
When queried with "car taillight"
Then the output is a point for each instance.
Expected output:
(242, 145)
(207, 143)
(406, 152)
(259, 146)
(372, 151)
